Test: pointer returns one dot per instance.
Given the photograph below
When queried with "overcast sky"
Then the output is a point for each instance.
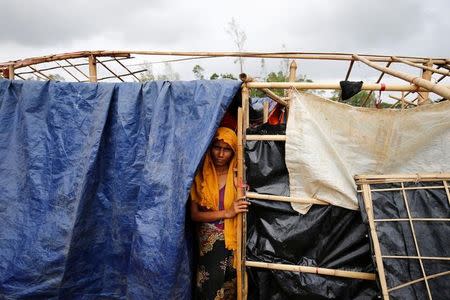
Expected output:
(397, 27)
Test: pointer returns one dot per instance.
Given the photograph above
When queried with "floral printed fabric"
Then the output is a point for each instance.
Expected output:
(216, 277)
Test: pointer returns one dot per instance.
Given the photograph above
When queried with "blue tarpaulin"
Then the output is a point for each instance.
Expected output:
(94, 180)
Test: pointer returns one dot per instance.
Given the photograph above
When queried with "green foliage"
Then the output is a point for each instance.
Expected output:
(215, 76)
(358, 99)
(198, 72)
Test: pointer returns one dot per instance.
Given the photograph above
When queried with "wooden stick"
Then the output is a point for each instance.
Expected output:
(111, 71)
(402, 100)
(92, 68)
(65, 69)
(253, 195)
(334, 86)
(427, 66)
(414, 219)
(76, 68)
(39, 72)
(408, 188)
(403, 177)
(11, 72)
(265, 111)
(426, 75)
(245, 78)
(419, 280)
(311, 270)
(411, 224)
(447, 190)
(292, 55)
(415, 257)
(126, 68)
(349, 70)
(427, 85)
(378, 81)
(367, 197)
(275, 97)
(245, 105)
(240, 267)
(257, 137)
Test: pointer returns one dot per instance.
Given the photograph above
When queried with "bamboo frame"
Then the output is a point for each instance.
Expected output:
(265, 112)
(240, 267)
(365, 181)
(311, 270)
(92, 68)
(427, 85)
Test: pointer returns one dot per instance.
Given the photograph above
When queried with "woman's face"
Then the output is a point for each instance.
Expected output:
(221, 153)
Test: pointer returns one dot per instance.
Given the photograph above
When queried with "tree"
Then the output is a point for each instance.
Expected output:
(239, 37)
(147, 75)
(169, 73)
(198, 72)
(215, 76)
(358, 99)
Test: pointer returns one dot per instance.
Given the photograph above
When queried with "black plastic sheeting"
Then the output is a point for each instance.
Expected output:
(327, 236)
(396, 238)
(94, 180)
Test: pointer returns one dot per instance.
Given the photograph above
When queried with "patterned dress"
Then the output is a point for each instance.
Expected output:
(216, 277)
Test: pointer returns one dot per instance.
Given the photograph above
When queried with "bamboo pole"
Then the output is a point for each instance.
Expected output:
(245, 105)
(92, 68)
(256, 137)
(39, 72)
(253, 195)
(265, 112)
(367, 197)
(311, 270)
(336, 86)
(402, 100)
(427, 85)
(388, 178)
(426, 75)
(414, 219)
(275, 97)
(447, 191)
(111, 71)
(126, 68)
(76, 68)
(428, 66)
(415, 257)
(419, 280)
(11, 72)
(405, 198)
(349, 70)
(292, 55)
(67, 71)
(240, 193)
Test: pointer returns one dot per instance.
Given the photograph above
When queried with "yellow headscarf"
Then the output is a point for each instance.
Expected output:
(205, 189)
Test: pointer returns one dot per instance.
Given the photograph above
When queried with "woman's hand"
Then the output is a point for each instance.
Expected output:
(240, 205)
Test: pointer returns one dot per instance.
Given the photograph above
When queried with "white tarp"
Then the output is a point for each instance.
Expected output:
(328, 143)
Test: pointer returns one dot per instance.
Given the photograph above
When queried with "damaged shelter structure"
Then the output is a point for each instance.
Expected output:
(348, 202)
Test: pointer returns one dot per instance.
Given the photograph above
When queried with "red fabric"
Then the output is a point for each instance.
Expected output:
(229, 121)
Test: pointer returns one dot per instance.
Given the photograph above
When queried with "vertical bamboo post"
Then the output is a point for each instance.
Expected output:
(92, 68)
(240, 170)
(367, 196)
(265, 112)
(292, 75)
(426, 74)
(11, 72)
(245, 106)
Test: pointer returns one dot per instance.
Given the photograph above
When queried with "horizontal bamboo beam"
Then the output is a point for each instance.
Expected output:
(361, 179)
(293, 55)
(413, 219)
(311, 270)
(256, 137)
(423, 67)
(253, 195)
(334, 86)
(420, 82)
(415, 257)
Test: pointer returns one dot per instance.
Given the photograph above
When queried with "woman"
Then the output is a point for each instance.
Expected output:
(214, 206)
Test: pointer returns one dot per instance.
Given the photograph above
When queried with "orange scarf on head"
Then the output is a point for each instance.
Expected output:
(205, 189)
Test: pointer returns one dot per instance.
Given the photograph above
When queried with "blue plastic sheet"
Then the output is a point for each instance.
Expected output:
(94, 180)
